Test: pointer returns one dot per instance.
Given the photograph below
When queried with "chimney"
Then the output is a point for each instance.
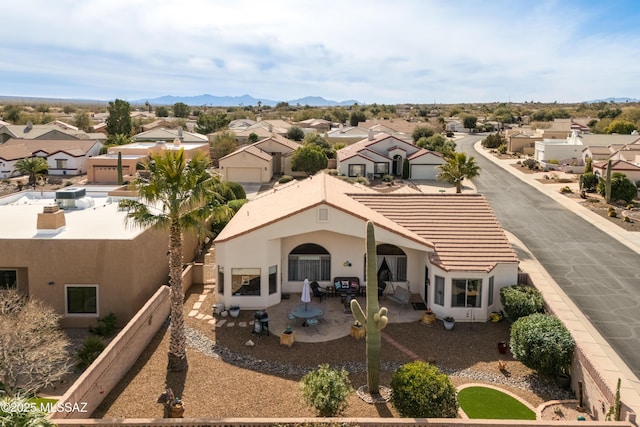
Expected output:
(180, 133)
(176, 142)
(51, 218)
(370, 134)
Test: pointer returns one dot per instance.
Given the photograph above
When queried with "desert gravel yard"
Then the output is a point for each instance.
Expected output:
(226, 378)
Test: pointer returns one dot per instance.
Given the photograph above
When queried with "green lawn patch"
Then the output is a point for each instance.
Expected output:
(490, 404)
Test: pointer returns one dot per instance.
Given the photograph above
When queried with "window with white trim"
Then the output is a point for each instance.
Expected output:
(466, 292)
(438, 297)
(81, 300)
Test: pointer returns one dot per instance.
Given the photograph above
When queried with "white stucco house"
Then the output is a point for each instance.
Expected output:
(64, 156)
(383, 154)
(447, 248)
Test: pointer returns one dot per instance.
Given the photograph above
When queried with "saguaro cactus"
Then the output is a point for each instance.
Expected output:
(607, 183)
(376, 318)
(120, 179)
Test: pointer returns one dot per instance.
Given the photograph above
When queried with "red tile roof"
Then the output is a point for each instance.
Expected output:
(463, 228)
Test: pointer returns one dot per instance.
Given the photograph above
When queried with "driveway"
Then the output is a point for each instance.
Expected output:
(599, 274)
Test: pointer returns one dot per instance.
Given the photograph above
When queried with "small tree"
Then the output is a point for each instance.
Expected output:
(458, 168)
(180, 109)
(162, 111)
(83, 121)
(589, 181)
(223, 143)
(422, 132)
(493, 141)
(209, 123)
(356, 117)
(35, 167)
(521, 300)
(542, 343)
(326, 390)
(469, 122)
(34, 350)
(420, 390)
(295, 133)
(309, 158)
(119, 120)
(438, 143)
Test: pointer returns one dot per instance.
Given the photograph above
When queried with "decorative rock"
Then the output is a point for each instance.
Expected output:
(249, 343)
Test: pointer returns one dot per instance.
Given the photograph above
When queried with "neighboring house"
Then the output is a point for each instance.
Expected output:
(64, 156)
(320, 125)
(568, 150)
(447, 248)
(383, 154)
(280, 149)
(160, 123)
(260, 161)
(248, 164)
(240, 124)
(103, 169)
(83, 260)
(521, 142)
(262, 128)
(631, 170)
(596, 152)
(169, 135)
(48, 131)
(346, 135)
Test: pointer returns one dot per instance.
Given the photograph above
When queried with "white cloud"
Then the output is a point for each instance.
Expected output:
(374, 51)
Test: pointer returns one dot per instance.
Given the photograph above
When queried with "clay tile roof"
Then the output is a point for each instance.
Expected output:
(463, 228)
(255, 151)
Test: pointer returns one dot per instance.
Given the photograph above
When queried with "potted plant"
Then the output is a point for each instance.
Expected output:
(428, 317)
(448, 322)
(357, 330)
(234, 310)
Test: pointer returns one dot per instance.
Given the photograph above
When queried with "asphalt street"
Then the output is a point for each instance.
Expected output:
(600, 274)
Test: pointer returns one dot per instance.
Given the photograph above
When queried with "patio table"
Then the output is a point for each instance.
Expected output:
(306, 312)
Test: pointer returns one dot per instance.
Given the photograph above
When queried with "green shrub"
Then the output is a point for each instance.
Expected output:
(326, 390)
(621, 188)
(542, 343)
(493, 141)
(420, 390)
(589, 181)
(107, 326)
(237, 190)
(502, 149)
(90, 350)
(361, 180)
(566, 190)
(235, 205)
(521, 300)
(333, 172)
(553, 162)
(387, 178)
(530, 163)
(285, 178)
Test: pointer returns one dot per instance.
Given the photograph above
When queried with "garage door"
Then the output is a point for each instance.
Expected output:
(105, 174)
(424, 171)
(244, 174)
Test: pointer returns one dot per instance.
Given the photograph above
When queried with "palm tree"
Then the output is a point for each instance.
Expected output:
(457, 168)
(177, 196)
(35, 167)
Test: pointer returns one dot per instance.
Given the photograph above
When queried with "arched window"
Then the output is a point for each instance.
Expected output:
(311, 261)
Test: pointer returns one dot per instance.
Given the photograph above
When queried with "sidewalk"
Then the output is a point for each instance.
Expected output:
(595, 347)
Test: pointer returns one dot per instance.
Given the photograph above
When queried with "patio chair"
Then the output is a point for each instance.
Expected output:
(318, 291)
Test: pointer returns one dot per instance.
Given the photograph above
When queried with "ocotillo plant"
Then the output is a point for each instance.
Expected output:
(376, 318)
(607, 184)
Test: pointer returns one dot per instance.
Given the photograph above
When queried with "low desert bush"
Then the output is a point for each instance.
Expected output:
(106, 327)
(521, 300)
(542, 343)
(90, 350)
(326, 390)
(420, 390)
(285, 178)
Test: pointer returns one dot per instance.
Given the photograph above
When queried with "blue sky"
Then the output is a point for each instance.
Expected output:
(390, 52)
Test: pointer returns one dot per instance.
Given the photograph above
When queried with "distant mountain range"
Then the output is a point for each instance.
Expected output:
(616, 100)
(235, 101)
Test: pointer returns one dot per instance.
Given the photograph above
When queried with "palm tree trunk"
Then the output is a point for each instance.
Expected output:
(177, 339)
